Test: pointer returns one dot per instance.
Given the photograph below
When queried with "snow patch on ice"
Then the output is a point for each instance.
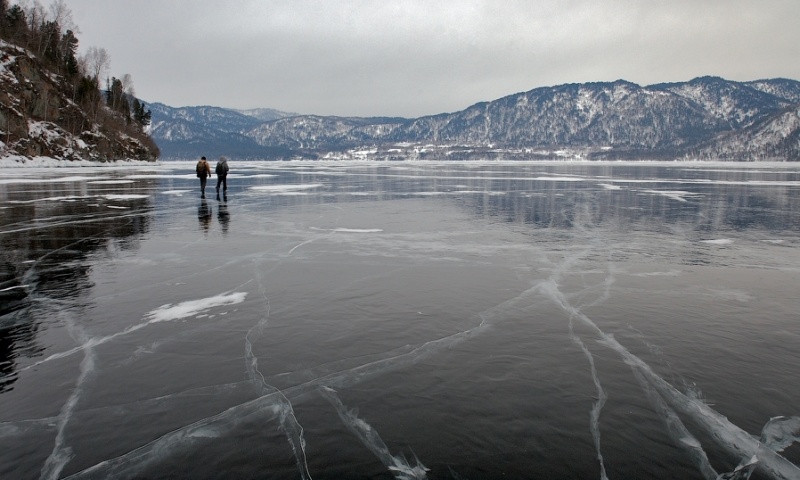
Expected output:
(19, 161)
(560, 179)
(286, 188)
(679, 195)
(193, 307)
(349, 230)
(113, 196)
(670, 273)
(176, 192)
(719, 241)
(68, 198)
(7, 181)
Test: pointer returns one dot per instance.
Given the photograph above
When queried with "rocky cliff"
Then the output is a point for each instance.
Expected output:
(40, 118)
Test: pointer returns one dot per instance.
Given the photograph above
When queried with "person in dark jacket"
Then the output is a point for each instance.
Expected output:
(222, 175)
(203, 172)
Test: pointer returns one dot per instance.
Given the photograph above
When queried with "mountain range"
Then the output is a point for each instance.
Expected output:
(705, 118)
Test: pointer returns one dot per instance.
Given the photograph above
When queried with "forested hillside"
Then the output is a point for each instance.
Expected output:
(56, 104)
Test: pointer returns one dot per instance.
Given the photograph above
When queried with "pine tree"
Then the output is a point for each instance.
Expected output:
(3, 22)
(141, 115)
(68, 47)
(16, 23)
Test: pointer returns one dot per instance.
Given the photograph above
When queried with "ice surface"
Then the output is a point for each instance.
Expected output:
(493, 319)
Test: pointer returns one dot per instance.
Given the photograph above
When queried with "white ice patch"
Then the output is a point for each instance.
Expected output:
(124, 197)
(110, 182)
(679, 195)
(193, 307)
(7, 181)
(609, 186)
(560, 179)
(117, 207)
(671, 273)
(728, 294)
(718, 241)
(143, 176)
(176, 192)
(348, 230)
(286, 188)
(69, 198)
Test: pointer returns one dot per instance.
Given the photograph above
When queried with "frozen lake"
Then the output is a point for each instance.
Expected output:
(401, 320)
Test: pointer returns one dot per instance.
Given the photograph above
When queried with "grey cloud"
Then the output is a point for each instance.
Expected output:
(415, 57)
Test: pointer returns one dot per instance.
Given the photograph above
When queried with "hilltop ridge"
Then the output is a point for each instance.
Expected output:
(707, 118)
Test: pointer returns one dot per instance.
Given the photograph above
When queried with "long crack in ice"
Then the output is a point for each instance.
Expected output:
(397, 464)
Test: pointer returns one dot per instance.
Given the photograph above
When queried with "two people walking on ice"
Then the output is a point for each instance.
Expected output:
(204, 171)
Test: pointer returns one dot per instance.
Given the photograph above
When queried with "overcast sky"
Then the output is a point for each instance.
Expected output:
(418, 57)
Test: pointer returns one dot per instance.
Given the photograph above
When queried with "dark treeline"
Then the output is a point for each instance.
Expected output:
(50, 35)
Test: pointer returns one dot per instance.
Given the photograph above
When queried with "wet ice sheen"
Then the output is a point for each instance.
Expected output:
(329, 289)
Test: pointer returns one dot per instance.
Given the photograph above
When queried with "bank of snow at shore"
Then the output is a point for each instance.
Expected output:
(19, 161)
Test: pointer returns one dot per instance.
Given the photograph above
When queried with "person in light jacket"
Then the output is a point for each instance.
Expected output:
(203, 172)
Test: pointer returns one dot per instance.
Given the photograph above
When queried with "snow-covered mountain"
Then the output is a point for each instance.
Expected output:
(266, 114)
(189, 132)
(707, 117)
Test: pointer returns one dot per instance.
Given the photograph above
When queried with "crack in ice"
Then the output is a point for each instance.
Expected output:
(369, 437)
